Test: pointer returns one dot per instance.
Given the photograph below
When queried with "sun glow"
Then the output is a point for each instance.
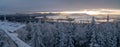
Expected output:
(91, 12)
(95, 12)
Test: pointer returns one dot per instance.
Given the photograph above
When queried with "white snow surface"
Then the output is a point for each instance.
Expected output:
(11, 26)
(8, 26)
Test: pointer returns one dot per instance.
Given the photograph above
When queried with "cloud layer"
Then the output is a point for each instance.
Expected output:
(11, 6)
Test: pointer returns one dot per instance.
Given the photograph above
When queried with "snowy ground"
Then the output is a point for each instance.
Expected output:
(9, 29)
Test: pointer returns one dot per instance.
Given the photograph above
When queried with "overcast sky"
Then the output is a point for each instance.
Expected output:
(9, 6)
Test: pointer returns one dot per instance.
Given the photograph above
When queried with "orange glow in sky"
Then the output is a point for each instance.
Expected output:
(90, 12)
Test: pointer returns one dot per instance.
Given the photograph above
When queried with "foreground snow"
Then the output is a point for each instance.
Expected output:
(6, 27)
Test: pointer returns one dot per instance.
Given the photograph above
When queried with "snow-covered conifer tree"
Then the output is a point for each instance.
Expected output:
(37, 37)
(93, 41)
(80, 36)
(110, 34)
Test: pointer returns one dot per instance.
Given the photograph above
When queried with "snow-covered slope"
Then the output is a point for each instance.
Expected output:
(8, 26)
